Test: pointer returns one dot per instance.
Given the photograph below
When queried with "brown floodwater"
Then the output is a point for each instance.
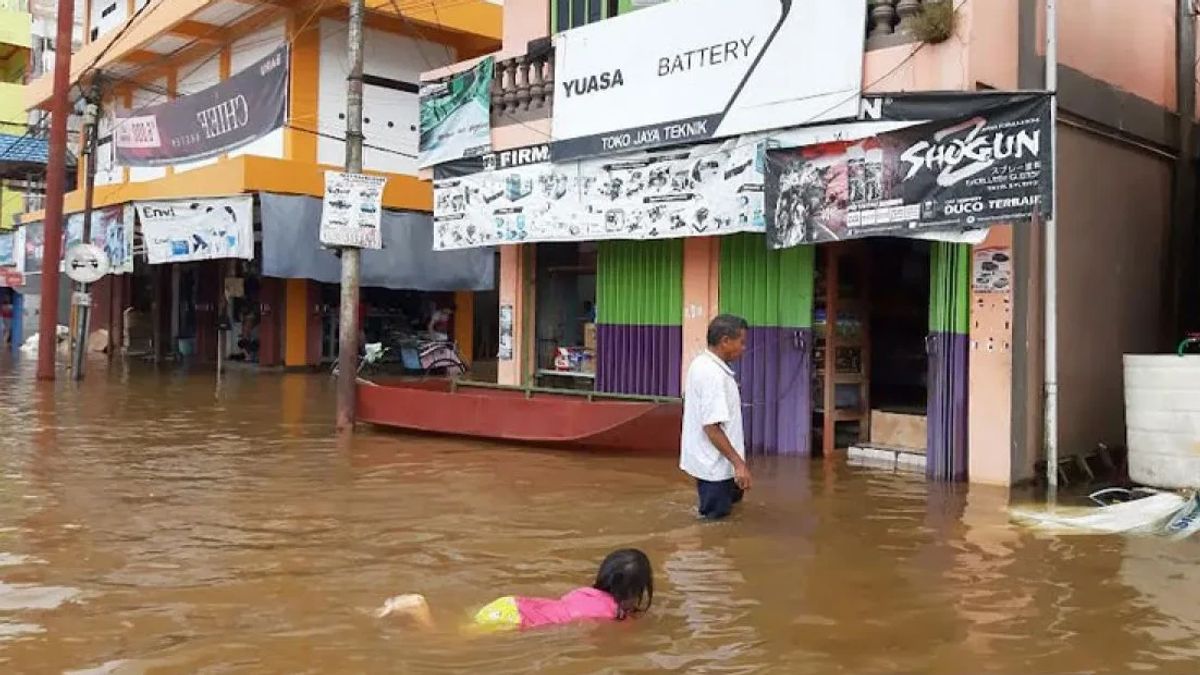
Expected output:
(160, 521)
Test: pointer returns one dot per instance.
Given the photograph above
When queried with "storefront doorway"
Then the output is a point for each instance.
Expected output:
(889, 357)
(565, 315)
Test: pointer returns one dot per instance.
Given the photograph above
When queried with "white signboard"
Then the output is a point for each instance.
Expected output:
(200, 229)
(86, 263)
(694, 70)
(352, 213)
(709, 189)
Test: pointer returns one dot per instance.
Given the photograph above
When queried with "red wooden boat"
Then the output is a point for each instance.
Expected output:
(536, 416)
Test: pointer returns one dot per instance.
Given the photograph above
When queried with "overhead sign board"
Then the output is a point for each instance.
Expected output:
(456, 115)
(695, 70)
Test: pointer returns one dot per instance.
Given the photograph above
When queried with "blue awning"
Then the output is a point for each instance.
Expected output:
(26, 152)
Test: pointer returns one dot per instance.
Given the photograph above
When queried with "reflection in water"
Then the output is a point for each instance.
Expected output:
(153, 520)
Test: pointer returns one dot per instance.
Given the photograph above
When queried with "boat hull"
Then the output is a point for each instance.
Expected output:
(512, 415)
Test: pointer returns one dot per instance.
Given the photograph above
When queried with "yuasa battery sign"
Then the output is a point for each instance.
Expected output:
(694, 70)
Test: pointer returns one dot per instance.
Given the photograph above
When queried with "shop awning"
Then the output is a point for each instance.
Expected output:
(21, 155)
(291, 250)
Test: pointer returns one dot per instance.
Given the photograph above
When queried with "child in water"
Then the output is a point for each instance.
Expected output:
(624, 587)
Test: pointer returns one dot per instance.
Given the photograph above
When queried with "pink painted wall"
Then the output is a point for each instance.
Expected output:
(992, 28)
(1128, 44)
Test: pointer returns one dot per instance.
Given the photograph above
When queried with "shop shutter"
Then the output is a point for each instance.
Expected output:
(949, 329)
(773, 291)
(639, 308)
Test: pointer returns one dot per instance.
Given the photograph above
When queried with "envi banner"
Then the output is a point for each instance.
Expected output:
(694, 70)
(209, 123)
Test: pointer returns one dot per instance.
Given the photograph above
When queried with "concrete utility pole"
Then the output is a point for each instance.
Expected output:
(56, 184)
(351, 256)
(1050, 319)
(91, 122)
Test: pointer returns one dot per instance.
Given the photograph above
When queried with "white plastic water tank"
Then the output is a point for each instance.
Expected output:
(1162, 419)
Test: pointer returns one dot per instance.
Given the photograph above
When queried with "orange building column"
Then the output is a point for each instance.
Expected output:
(513, 275)
(464, 324)
(701, 293)
(295, 311)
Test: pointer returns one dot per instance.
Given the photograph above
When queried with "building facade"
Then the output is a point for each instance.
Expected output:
(146, 53)
(972, 392)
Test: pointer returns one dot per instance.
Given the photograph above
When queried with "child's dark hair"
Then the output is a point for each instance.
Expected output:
(626, 575)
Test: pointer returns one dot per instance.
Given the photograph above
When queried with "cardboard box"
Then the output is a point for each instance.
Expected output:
(894, 430)
(589, 336)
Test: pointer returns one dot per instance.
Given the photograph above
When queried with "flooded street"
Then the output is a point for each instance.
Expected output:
(160, 522)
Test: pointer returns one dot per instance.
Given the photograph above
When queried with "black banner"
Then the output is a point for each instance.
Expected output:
(209, 123)
(979, 167)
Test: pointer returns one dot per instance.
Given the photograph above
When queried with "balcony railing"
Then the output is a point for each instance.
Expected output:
(523, 87)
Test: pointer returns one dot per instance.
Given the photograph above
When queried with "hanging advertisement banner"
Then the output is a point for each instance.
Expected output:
(33, 240)
(112, 230)
(695, 70)
(456, 115)
(707, 189)
(959, 174)
(209, 123)
(203, 229)
(713, 188)
(352, 211)
(8, 253)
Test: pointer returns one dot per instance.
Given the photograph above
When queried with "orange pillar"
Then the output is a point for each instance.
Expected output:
(512, 295)
(296, 323)
(464, 324)
(701, 293)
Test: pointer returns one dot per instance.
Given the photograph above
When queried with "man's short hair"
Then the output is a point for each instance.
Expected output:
(725, 326)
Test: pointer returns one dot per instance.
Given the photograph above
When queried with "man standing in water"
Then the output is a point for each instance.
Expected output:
(712, 449)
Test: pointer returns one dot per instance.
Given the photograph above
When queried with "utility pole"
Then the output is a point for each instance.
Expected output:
(56, 184)
(91, 121)
(1183, 285)
(351, 256)
(1050, 382)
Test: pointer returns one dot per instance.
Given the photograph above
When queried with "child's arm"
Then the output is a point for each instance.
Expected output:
(412, 607)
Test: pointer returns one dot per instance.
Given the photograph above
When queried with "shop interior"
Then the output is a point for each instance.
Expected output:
(415, 329)
(565, 313)
(880, 309)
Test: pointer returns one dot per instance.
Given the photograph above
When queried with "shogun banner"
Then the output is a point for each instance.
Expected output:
(695, 70)
(965, 173)
(206, 124)
(456, 116)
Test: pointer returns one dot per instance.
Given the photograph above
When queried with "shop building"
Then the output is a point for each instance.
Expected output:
(903, 342)
(275, 290)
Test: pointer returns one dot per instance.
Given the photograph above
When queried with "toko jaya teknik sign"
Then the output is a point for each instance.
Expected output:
(694, 70)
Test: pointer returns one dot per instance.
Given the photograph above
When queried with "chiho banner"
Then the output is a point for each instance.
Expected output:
(201, 229)
(989, 166)
(456, 116)
(206, 124)
(695, 70)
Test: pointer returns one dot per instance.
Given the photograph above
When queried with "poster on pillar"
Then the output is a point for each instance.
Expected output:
(112, 230)
(208, 123)
(200, 229)
(456, 115)
(352, 210)
(692, 71)
(957, 174)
